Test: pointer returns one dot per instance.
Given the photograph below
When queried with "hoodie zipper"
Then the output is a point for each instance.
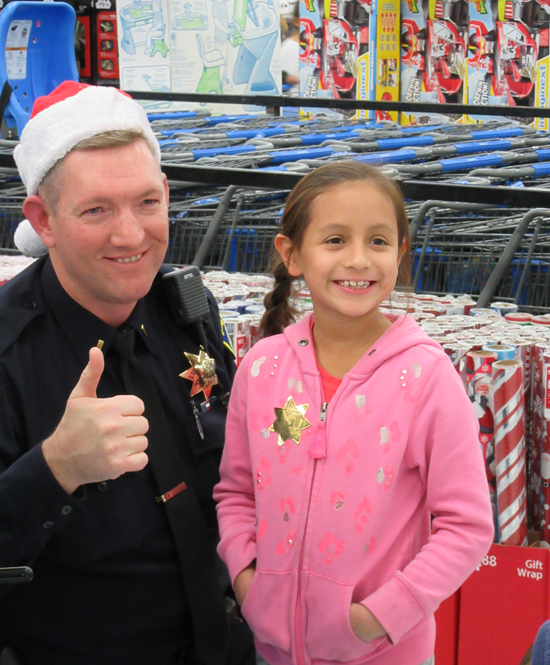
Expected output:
(299, 619)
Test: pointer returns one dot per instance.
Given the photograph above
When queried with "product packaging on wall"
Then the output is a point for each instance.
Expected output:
(349, 49)
(105, 40)
(145, 56)
(508, 61)
(205, 46)
(83, 39)
(434, 52)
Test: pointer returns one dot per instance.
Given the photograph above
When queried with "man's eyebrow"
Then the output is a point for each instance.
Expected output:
(106, 199)
(153, 190)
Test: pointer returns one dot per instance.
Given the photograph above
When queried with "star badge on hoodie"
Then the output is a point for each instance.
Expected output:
(290, 421)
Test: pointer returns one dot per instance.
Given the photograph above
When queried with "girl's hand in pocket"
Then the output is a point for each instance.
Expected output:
(243, 582)
(364, 624)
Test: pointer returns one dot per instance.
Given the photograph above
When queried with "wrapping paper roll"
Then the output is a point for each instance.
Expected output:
(504, 307)
(480, 391)
(503, 351)
(457, 351)
(509, 418)
(538, 431)
(545, 450)
(523, 318)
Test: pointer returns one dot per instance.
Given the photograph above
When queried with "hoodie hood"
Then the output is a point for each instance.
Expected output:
(402, 335)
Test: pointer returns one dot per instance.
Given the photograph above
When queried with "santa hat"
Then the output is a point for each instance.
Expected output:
(59, 121)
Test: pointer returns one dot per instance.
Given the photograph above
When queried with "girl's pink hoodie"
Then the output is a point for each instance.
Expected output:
(342, 515)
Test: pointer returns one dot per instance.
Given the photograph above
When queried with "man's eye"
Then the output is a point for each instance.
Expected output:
(150, 202)
(93, 211)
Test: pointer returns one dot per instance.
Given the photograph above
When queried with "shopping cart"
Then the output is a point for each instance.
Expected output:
(231, 230)
(12, 195)
(522, 274)
(456, 246)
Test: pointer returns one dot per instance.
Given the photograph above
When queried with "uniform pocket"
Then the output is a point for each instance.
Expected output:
(267, 609)
(329, 635)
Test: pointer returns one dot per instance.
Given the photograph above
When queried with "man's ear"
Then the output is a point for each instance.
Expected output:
(288, 253)
(34, 209)
(166, 189)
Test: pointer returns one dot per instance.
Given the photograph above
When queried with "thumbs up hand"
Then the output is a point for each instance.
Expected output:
(97, 439)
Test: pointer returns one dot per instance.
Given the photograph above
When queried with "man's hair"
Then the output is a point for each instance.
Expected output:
(50, 187)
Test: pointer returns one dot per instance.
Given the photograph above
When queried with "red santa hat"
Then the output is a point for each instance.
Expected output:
(59, 121)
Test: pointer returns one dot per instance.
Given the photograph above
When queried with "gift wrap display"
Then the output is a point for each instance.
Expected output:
(503, 358)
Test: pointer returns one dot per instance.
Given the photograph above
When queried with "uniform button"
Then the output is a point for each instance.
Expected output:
(30, 304)
(102, 487)
(47, 524)
(66, 510)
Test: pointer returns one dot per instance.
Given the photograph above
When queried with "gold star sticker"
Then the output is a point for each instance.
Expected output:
(202, 373)
(290, 421)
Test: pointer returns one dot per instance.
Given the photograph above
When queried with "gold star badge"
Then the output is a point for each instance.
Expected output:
(290, 421)
(202, 373)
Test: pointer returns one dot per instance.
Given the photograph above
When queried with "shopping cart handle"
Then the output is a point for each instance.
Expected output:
(388, 157)
(218, 119)
(479, 146)
(305, 153)
(253, 133)
(459, 163)
(543, 154)
(316, 139)
(406, 142)
(540, 169)
(227, 150)
(499, 133)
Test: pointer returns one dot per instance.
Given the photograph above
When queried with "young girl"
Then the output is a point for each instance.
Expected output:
(344, 434)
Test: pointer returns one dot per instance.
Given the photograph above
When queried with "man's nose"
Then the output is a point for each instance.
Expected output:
(127, 229)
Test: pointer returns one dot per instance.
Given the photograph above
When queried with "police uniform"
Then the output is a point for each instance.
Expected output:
(107, 586)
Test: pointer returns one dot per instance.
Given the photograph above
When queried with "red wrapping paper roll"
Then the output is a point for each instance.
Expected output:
(538, 431)
(479, 385)
(509, 417)
(545, 450)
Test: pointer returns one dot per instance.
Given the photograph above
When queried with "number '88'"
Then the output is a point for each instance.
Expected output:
(488, 561)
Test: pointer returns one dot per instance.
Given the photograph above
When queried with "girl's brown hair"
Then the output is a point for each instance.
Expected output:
(296, 217)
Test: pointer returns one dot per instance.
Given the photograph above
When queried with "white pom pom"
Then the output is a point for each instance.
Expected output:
(28, 241)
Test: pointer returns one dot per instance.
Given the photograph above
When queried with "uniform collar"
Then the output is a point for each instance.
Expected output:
(83, 329)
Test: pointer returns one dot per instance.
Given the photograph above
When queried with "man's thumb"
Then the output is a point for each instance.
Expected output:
(89, 379)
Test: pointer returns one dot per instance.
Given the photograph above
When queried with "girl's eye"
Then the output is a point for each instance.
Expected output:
(379, 241)
(334, 241)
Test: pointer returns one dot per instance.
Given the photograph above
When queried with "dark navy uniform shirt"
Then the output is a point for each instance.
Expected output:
(107, 589)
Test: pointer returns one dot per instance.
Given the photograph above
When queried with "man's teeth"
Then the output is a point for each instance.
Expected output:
(131, 259)
(354, 285)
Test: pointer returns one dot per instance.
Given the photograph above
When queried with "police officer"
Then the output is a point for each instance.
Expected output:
(77, 494)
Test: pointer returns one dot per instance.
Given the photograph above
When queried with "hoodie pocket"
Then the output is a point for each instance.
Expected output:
(329, 635)
(267, 609)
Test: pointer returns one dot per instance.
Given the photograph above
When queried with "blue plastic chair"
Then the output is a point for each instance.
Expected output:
(39, 37)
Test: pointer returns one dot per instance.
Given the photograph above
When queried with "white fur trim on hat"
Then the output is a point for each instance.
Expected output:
(53, 132)
(28, 241)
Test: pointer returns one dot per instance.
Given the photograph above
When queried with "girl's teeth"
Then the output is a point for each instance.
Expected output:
(355, 284)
